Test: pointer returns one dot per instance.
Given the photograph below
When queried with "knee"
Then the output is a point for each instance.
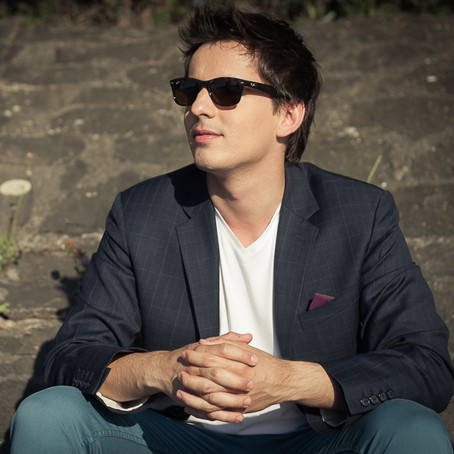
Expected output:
(401, 415)
(411, 425)
(46, 410)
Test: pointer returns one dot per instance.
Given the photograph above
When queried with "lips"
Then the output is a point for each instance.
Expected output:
(203, 135)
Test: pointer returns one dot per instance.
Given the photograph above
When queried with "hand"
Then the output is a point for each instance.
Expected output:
(237, 379)
(218, 389)
(134, 376)
(221, 378)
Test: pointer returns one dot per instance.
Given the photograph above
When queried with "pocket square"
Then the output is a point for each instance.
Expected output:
(319, 300)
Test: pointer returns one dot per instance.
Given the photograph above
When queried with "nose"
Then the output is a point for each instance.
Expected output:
(203, 105)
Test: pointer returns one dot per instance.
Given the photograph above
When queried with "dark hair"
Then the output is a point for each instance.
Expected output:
(284, 60)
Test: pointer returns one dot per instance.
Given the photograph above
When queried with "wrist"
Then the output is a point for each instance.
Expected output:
(135, 376)
(310, 385)
(159, 371)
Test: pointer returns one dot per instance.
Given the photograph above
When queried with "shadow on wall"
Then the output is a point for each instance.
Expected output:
(36, 381)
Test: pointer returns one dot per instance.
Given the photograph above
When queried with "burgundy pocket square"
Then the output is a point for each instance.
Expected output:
(319, 300)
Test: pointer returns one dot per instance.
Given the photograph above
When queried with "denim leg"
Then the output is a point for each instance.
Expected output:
(62, 420)
(395, 427)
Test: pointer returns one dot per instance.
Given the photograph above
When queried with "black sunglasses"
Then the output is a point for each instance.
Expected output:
(224, 91)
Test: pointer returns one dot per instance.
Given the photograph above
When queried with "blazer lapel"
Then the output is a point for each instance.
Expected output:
(294, 241)
(200, 254)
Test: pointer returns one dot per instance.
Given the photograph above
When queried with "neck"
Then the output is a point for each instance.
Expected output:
(247, 203)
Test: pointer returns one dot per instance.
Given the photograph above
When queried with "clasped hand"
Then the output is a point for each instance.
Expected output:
(224, 377)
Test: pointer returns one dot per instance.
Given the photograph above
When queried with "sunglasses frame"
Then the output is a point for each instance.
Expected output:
(200, 84)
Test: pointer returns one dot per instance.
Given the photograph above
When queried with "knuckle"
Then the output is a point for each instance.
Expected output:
(211, 416)
(208, 361)
(238, 368)
(215, 374)
(223, 348)
(209, 407)
(193, 370)
(206, 388)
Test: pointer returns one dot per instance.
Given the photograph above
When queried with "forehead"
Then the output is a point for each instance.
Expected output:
(223, 58)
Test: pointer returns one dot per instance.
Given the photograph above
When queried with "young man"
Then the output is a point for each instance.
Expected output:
(277, 304)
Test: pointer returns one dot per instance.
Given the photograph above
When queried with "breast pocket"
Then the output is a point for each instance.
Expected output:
(330, 331)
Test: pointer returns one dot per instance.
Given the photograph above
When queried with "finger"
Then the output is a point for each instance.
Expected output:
(247, 337)
(214, 401)
(221, 415)
(215, 352)
(198, 384)
(204, 381)
(194, 401)
(228, 380)
(226, 416)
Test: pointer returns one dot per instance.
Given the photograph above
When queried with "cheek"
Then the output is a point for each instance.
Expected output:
(186, 120)
(188, 124)
(260, 129)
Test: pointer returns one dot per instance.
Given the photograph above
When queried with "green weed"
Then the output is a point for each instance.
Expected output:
(3, 307)
(80, 258)
(9, 251)
(165, 11)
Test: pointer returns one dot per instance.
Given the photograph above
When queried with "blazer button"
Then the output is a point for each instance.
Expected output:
(390, 393)
(374, 399)
(365, 402)
(382, 396)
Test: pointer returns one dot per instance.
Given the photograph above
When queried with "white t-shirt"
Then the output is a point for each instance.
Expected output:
(246, 306)
(246, 277)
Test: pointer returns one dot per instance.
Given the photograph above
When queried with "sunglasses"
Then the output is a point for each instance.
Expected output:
(224, 91)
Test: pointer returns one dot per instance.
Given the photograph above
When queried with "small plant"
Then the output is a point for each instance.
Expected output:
(80, 258)
(318, 11)
(9, 251)
(3, 307)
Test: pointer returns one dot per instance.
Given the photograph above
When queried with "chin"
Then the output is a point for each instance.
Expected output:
(204, 166)
(202, 161)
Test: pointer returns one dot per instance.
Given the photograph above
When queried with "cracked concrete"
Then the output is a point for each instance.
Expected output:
(87, 111)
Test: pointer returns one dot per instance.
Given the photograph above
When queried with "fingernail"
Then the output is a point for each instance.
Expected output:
(249, 385)
(239, 419)
(246, 402)
(184, 355)
(254, 359)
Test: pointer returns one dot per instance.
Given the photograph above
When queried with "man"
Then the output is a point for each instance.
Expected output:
(246, 303)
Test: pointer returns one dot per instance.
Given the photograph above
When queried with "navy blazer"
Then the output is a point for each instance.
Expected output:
(156, 274)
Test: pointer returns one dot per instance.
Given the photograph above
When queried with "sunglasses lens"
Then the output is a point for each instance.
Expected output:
(226, 91)
(185, 91)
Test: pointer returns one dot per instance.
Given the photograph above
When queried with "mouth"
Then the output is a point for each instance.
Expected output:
(204, 135)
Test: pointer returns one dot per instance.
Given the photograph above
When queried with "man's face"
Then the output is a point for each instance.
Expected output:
(240, 137)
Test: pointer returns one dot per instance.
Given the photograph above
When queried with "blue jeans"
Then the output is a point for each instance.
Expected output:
(61, 420)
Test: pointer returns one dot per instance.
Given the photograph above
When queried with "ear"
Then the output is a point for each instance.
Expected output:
(292, 115)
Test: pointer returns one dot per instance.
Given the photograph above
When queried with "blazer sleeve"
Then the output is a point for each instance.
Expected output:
(402, 341)
(93, 334)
